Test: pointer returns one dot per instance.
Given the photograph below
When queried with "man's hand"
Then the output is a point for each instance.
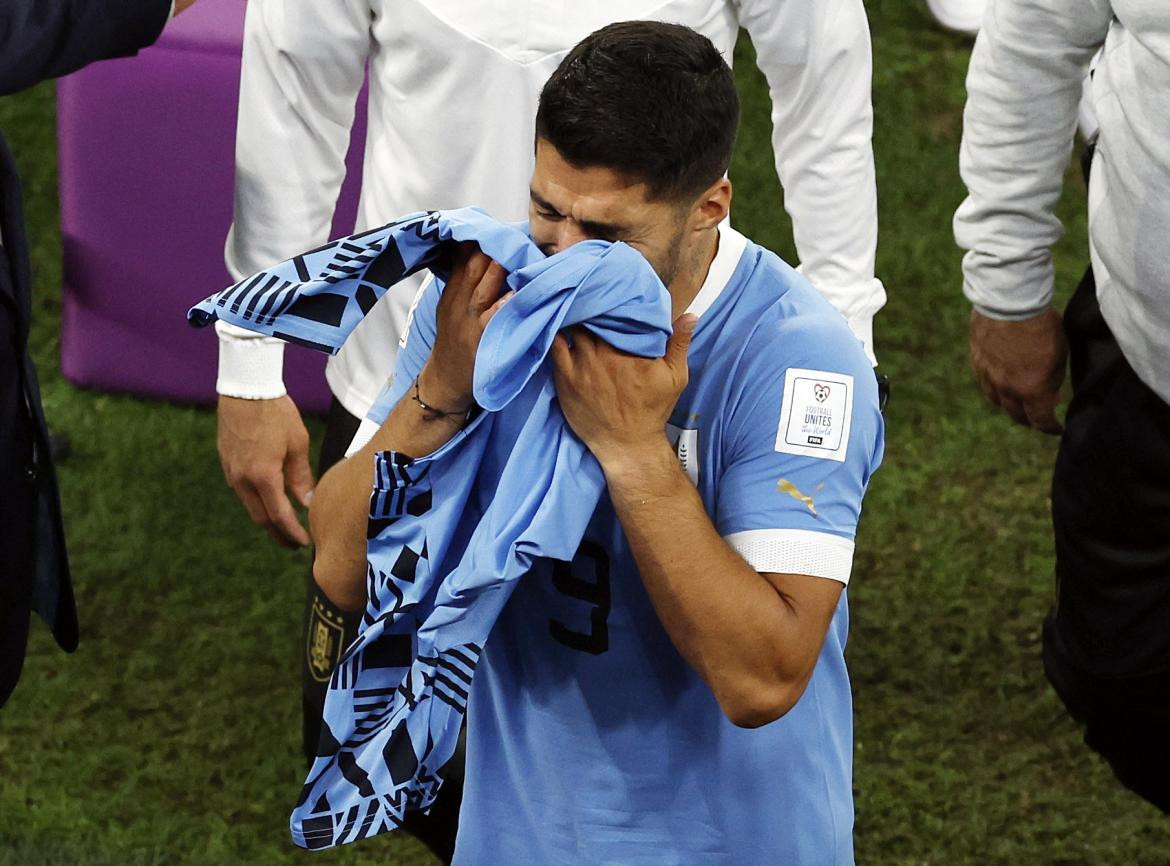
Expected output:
(341, 503)
(1020, 366)
(263, 444)
(469, 300)
(619, 403)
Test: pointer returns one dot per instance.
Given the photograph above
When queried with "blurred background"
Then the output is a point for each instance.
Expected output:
(172, 735)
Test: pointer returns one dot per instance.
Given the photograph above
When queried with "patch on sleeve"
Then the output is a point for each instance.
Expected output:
(815, 414)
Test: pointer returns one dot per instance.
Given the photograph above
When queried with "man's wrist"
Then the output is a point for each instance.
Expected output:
(638, 469)
(1010, 315)
(435, 390)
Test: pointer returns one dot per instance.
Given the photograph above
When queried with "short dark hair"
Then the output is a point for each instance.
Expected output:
(652, 101)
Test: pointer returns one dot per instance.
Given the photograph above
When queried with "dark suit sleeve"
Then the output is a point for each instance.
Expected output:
(42, 39)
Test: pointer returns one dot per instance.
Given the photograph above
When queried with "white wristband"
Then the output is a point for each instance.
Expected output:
(251, 366)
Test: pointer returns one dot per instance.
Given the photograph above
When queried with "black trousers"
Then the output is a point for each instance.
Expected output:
(327, 632)
(1107, 639)
(18, 497)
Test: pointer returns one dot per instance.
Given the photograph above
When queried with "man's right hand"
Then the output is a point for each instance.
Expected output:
(263, 444)
(1020, 366)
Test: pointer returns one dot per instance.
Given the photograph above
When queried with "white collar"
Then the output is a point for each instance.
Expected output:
(727, 256)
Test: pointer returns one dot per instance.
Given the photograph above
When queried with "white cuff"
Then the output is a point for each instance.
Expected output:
(862, 328)
(1008, 315)
(795, 551)
(251, 365)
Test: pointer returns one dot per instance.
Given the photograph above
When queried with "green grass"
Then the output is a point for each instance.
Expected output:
(170, 737)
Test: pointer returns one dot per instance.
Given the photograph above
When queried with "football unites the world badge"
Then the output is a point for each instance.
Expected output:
(815, 414)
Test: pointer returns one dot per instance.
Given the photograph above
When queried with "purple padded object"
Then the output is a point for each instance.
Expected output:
(147, 149)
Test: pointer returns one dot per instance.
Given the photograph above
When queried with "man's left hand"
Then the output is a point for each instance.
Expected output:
(616, 402)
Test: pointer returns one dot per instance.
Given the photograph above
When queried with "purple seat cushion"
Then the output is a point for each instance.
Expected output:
(147, 148)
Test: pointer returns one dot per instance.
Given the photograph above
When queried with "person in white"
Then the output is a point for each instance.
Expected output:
(1106, 642)
(453, 90)
(964, 16)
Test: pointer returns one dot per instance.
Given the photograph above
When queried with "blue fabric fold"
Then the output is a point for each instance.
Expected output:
(452, 532)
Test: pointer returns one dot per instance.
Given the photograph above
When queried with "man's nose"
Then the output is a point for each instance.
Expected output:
(568, 233)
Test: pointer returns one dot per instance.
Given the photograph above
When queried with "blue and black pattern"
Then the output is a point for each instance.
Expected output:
(449, 534)
(317, 298)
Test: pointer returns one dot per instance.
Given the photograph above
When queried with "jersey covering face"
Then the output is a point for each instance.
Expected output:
(590, 739)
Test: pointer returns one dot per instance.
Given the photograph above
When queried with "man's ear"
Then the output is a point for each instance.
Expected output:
(712, 205)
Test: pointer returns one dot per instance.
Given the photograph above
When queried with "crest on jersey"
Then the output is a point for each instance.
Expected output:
(324, 644)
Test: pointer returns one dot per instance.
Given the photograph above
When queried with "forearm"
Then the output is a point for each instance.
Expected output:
(41, 39)
(822, 123)
(1023, 87)
(341, 502)
(303, 64)
(737, 630)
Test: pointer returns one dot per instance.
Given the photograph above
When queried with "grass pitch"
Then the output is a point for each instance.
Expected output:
(171, 736)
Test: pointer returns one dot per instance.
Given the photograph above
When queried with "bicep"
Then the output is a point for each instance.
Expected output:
(801, 447)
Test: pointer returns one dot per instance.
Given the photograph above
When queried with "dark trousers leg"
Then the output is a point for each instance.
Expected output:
(17, 501)
(1107, 640)
(327, 632)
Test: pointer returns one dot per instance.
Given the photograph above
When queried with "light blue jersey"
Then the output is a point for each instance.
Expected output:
(590, 740)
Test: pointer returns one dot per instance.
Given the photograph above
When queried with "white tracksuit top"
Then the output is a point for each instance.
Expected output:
(453, 95)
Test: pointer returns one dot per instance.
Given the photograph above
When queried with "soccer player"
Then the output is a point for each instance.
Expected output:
(678, 692)
(453, 90)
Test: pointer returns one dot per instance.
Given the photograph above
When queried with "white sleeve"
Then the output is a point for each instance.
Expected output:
(816, 57)
(1023, 88)
(303, 66)
(251, 365)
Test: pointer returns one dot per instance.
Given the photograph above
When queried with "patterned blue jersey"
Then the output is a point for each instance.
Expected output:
(590, 739)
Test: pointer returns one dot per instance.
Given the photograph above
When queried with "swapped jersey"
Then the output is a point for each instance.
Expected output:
(590, 739)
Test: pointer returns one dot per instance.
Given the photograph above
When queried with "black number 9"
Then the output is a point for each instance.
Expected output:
(585, 578)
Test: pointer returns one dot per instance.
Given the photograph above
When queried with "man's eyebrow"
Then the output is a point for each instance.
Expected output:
(542, 203)
(591, 226)
(604, 230)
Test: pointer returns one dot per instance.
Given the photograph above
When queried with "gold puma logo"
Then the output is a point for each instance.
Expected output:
(786, 486)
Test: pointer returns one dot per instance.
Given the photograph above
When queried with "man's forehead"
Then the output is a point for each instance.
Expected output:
(569, 188)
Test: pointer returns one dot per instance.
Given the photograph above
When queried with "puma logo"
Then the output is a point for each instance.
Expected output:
(786, 486)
